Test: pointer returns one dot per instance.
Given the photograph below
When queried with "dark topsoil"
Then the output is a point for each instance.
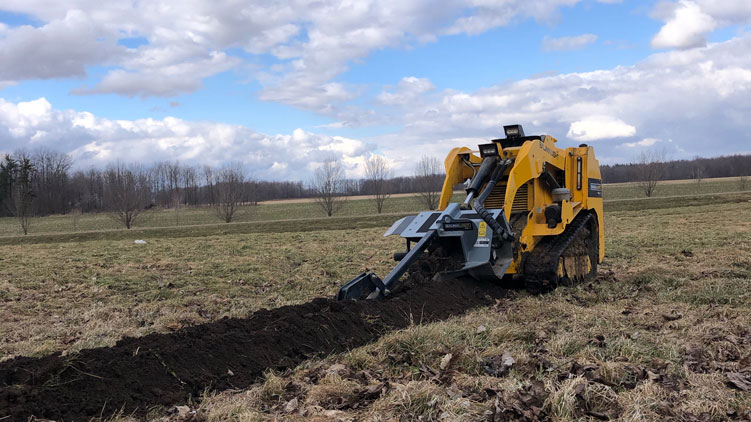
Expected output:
(166, 369)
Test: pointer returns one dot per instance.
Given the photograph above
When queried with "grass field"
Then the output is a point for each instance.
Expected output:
(203, 215)
(68, 296)
(654, 338)
(271, 211)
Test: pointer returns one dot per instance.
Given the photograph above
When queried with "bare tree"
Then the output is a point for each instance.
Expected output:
(428, 181)
(51, 181)
(251, 191)
(174, 181)
(76, 213)
(190, 186)
(697, 173)
(127, 193)
(177, 201)
(18, 180)
(208, 180)
(378, 173)
(229, 190)
(650, 170)
(329, 187)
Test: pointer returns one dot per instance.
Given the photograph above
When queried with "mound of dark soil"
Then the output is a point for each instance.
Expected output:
(164, 369)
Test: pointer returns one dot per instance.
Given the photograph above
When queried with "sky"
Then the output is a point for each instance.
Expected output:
(282, 86)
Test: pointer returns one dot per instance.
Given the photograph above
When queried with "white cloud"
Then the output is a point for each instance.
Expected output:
(670, 95)
(488, 14)
(64, 47)
(94, 141)
(162, 81)
(595, 128)
(183, 41)
(727, 11)
(646, 142)
(568, 43)
(408, 89)
(686, 28)
(311, 41)
(689, 22)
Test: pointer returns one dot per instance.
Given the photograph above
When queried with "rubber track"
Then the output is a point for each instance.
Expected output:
(541, 264)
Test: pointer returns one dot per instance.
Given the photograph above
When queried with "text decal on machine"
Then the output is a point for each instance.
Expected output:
(482, 230)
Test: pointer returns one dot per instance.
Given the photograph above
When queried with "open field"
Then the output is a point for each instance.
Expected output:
(658, 335)
(203, 215)
(304, 209)
(332, 223)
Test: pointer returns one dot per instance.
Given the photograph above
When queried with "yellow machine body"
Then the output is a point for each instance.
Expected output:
(521, 189)
(532, 209)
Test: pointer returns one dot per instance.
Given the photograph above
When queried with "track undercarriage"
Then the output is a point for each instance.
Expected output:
(563, 260)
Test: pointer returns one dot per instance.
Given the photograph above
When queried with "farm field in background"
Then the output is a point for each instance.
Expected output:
(655, 336)
(204, 215)
(306, 208)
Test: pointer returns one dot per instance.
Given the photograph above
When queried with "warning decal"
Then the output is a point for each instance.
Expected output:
(482, 229)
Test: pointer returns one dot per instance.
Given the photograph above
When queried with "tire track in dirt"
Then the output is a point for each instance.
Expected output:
(166, 369)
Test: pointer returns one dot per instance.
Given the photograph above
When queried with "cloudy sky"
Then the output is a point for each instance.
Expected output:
(283, 85)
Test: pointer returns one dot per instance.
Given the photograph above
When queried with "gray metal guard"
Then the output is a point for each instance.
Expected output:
(481, 260)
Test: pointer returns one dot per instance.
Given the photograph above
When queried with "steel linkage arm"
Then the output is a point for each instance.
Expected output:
(370, 284)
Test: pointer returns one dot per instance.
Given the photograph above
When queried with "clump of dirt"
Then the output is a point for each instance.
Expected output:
(167, 369)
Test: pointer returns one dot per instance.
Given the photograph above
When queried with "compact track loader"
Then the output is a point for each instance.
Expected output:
(533, 212)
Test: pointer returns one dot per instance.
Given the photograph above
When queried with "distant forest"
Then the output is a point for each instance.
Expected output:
(698, 168)
(45, 182)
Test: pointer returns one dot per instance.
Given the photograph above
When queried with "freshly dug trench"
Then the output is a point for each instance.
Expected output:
(164, 369)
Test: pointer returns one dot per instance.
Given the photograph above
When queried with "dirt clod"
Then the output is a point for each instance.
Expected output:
(672, 316)
(498, 365)
(598, 341)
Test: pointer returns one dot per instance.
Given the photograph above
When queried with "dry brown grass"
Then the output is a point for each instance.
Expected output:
(71, 296)
(652, 339)
(674, 285)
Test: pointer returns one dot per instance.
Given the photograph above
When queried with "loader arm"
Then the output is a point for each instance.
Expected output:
(457, 171)
(528, 165)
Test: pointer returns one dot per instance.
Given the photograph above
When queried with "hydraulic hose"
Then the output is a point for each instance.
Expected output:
(486, 168)
(498, 229)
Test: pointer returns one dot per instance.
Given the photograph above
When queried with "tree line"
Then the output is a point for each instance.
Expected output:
(698, 168)
(43, 182)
